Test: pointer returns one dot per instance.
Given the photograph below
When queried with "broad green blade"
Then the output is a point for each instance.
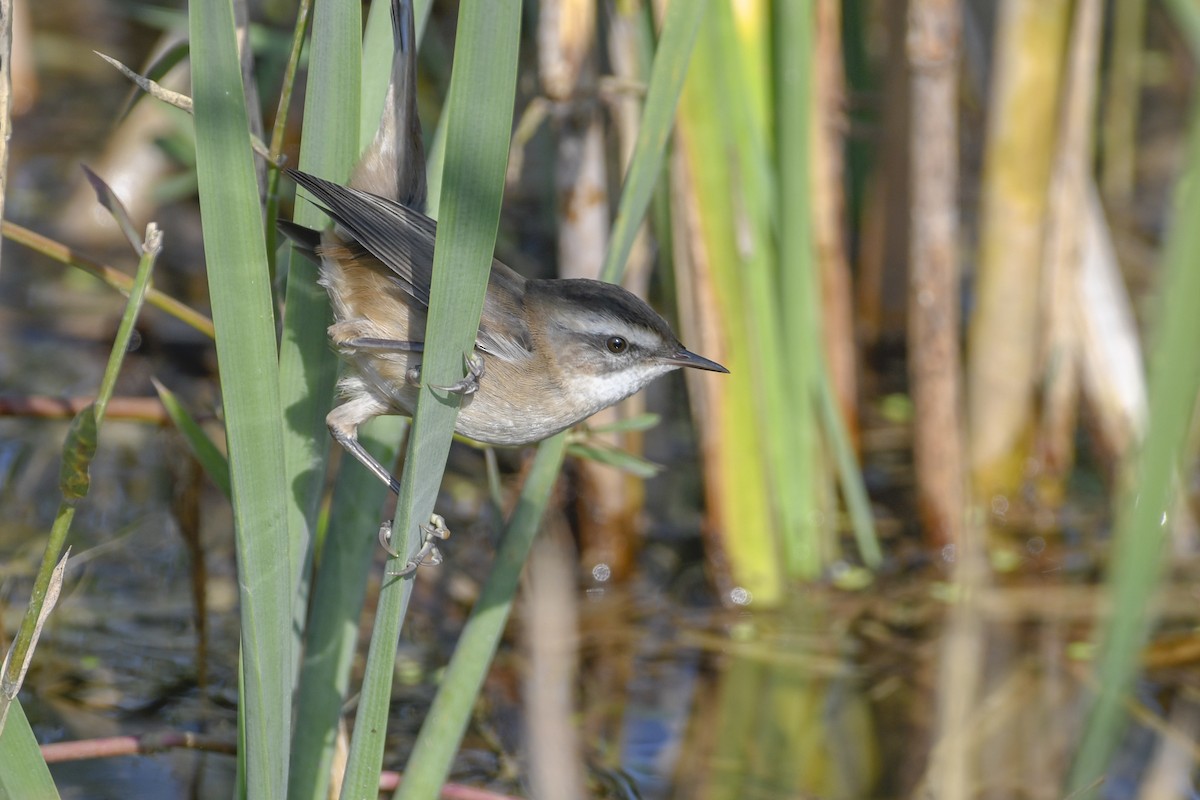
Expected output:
(479, 115)
(25, 773)
(307, 365)
(339, 590)
(308, 368)
(338, 594)
(243, 314)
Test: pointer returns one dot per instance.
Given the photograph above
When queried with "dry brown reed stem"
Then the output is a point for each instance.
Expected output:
(111, 276)
(187, 507)
(883, 237)
(610, 501)
(146, 744)
(550, 614)
(1002, 369)
(625, 111)
(625, 116)
(934, 41)
(24, 87)
(829, 209)
(1066, 220)
(952, 772)
(6, 78)
(701, 321)
(566, 64)
(137, 409)
(152, 743)
(565, 36)
(1075, 605)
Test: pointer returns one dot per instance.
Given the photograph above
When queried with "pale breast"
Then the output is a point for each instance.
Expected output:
(513, 408)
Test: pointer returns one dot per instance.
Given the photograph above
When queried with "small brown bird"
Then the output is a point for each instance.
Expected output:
(549, 353)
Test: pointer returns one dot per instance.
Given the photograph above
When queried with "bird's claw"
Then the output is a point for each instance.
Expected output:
(428, 555)
(470, 382)
(385, 538)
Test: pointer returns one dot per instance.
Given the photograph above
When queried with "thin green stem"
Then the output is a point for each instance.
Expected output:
(1144, 515)
(440, 736)
(680, 29)
(78, 451)
(279, 129)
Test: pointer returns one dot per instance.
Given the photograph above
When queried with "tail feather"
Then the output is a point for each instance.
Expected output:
(394, 164)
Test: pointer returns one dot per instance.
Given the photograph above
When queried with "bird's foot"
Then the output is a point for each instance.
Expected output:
(428, 555)
(470, 383)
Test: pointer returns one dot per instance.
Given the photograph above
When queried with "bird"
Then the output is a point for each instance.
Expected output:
(549, 352)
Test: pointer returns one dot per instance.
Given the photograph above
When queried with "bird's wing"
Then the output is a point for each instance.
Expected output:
(306, 240)
(403, 239)
(502, 328)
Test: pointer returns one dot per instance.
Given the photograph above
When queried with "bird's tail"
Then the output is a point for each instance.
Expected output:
(394, 165)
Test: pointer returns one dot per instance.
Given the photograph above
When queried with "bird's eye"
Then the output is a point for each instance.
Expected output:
(616, 345)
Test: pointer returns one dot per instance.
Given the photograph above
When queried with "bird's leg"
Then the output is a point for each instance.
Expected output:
(470, 383)
(428, 555)
(381, 345)
(343, 424)
(372, 344)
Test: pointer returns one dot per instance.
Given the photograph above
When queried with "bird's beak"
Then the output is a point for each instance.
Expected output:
(686, 358)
